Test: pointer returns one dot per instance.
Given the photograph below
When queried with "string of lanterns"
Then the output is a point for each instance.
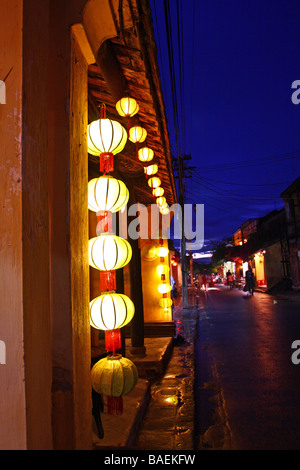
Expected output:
(115, 376)
(163, 271)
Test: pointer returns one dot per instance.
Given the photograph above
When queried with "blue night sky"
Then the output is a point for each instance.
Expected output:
(234, 63)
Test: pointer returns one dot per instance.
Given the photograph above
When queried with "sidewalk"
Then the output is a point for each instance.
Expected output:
(284, 295)
(159, 412)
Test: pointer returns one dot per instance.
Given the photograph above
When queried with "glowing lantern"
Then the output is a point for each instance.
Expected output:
(137, 134)
(145, 154)
(151, 170)
(164, 210)
(162, 251)
(165, 302)
(109, 252)
(157, 192)
(114, 376)
(148, 251)
(111, 311)
(154, 182)
(161, 201)
(162, 269)
(106, 138)
(164, 288)
(127, 107)
(107, 194)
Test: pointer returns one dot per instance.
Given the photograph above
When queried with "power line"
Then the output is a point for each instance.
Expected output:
(229, 194)
(244, 184)
(243, 164)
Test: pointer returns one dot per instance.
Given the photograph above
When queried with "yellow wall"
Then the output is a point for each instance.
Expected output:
(259, 269)
(150, 281)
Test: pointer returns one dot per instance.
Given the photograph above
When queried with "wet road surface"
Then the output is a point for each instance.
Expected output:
(250, 342)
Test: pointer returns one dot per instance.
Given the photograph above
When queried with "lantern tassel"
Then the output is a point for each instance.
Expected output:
(104, 221)
(106, 162)
(115, 405)
(108, 281)
(113, 340)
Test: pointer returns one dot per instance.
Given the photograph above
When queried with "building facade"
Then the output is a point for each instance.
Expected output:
(62, 60)
(291, 199)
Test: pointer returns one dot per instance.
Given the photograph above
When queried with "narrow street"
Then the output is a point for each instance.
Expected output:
(248, 341)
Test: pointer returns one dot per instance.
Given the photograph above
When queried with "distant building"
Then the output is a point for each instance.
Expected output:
(291, 199)
(241, 235)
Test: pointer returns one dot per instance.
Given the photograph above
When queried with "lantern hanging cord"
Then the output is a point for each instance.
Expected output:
(103, 111)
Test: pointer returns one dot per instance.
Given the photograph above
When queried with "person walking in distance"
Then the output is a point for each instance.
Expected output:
(230, 281)
(249, 286)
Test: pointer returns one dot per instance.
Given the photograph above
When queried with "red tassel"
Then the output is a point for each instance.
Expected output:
(108, 281)
(113, 340)
(104, 221)
(114, 405)
(106, 162)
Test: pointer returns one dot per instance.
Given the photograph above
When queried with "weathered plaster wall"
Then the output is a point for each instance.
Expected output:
(12, 391)
(273, 265)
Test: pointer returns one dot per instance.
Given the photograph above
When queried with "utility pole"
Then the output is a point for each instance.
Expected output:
(181, 175)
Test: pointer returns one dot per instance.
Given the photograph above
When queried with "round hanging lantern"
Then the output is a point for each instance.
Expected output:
(164, 210)
(108, 252)
(148, 251)
(105, 136)
(157, 192)
(162, 269)
(127, 107)
(164, 288)
(114, 376)
(162, 251)
(107, 194)
(154, 182)
(145, 154)
(151, 170)
(111, 311)
(161, 201)
(165, 302)
(137, 134)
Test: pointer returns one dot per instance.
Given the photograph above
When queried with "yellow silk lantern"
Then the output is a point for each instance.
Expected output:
(111, 311)
(137, 134)
(164, 210)
(162, 251)
(164, 288)
(105, 136)
(114, 376)
(108, 252)
(157, 192)
(162, 269)
(145, 154)
(161, 201)
(127, 107)
(165, 302)
(107, 194)
(151, 170)
(154, 182)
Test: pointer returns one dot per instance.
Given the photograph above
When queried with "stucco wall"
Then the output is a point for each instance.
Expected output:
(12, 390)
(273, 265)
